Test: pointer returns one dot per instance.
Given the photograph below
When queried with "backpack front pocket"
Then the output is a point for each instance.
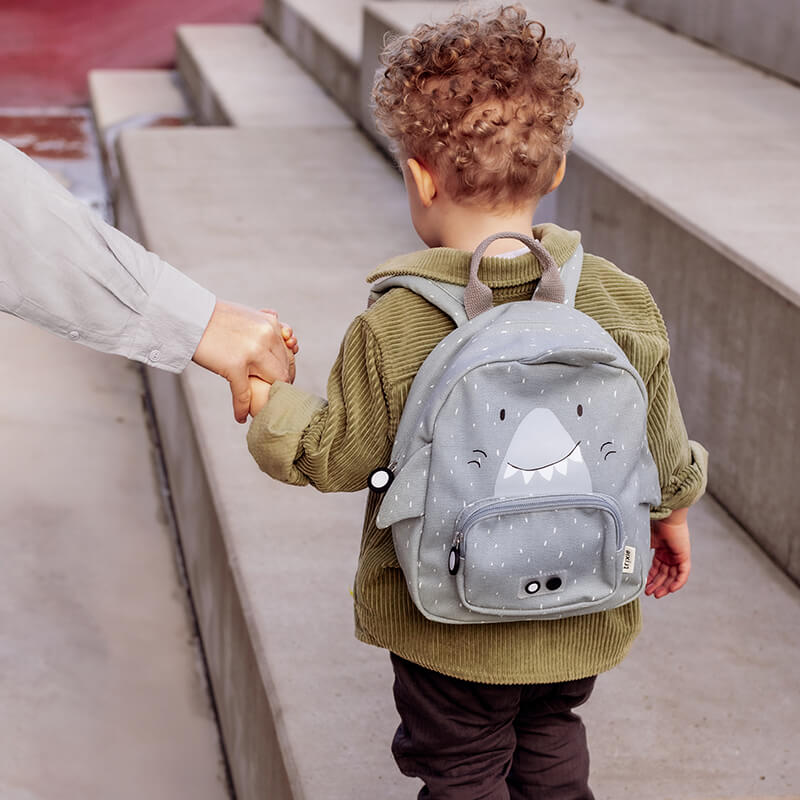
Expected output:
(535, 555)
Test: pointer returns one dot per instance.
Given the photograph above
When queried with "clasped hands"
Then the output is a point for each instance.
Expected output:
(251, 350)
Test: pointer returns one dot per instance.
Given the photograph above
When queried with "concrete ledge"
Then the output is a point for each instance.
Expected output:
(270, 564)
(248, 717)
(764, 34)
(239, 76)
(326, 39)
(693, 204)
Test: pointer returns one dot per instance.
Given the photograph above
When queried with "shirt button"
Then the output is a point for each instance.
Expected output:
(155, 355)
(74, 335)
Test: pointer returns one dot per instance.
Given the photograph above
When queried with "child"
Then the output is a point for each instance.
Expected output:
(478, 109)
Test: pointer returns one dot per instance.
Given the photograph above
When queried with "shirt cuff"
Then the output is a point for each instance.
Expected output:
(687, 486)
(276, 433)
(169, 330)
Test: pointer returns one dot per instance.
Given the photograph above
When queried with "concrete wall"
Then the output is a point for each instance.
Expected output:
(332, 60)
(245, 714)
(735, 351)
(764, 33)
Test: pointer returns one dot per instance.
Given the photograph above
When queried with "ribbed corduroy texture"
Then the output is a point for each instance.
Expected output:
(299, 438)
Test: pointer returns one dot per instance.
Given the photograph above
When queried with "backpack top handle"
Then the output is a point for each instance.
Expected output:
(478, 296)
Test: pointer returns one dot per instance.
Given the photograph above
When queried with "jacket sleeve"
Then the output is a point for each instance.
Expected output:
(299, 438)
(66, 270)
(682, 464)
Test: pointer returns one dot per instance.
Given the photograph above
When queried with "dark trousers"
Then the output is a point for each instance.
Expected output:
(479, 741)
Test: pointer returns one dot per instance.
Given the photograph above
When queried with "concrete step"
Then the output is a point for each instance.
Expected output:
(670, 177)
(239, 76)
(121, 95)
(765, 35)
(306, 710)
(102, 692)
(326, 39)
(124, 98)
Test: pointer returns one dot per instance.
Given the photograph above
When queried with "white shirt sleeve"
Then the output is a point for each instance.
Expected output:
(65, 269)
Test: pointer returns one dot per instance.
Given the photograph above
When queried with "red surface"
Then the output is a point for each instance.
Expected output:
(48, 46)
(59, 136)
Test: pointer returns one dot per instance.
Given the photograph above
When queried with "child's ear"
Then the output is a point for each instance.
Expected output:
(423, 180)
(559, 176)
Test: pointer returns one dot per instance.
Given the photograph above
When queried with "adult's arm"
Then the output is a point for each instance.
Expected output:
(65, 269)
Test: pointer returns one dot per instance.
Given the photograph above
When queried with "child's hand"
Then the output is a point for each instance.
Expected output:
(672, 559)
(259, 395)
(290, 340)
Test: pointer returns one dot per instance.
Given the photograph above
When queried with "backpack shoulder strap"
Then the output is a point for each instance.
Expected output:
(570, 276)
(447, 297)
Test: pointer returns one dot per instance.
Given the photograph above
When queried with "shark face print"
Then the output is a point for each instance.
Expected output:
(542, 458)
(538, 442)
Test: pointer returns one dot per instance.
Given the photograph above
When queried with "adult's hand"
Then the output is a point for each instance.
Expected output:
(240, 342)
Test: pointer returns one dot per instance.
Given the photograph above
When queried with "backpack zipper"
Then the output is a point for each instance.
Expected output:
(494, 507)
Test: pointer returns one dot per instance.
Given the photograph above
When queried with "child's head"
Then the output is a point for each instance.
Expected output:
(483, 103)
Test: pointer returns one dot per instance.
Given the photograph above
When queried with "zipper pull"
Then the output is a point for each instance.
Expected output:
(454, 561)
(381, 479)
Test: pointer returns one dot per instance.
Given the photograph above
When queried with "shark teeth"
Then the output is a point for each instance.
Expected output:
(545, 472)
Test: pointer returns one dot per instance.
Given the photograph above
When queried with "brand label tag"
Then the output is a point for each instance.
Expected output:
(629, 559)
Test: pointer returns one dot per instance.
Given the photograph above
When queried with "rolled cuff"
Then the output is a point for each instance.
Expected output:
(276, 434)
(687, 486)
(168, 331)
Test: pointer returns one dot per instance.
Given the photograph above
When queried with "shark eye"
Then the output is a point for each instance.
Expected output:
(502, 414)
(580, 410)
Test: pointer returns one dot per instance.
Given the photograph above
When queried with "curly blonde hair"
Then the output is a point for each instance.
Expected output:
(484, 100)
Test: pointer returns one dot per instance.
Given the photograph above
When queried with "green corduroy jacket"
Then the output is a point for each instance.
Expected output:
(334, 444)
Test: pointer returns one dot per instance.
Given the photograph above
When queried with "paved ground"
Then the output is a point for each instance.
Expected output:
(101, 691)
(101, 688)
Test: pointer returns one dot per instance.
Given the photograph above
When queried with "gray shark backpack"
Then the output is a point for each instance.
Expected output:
(520, 481)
